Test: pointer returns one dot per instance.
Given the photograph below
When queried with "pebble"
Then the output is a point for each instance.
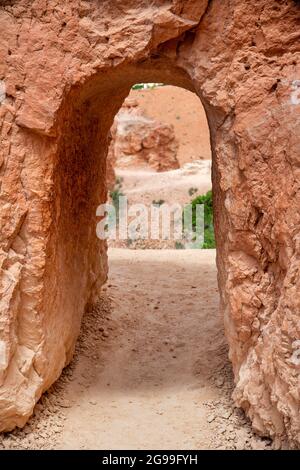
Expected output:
(211, 418)
(65, 404)
(226, 414)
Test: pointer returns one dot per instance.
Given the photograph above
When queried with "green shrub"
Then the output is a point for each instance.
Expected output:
(145, 86)
(115, 195)
(209, 234)
(179, 246)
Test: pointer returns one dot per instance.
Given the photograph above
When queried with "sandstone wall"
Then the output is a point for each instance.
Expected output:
(67, 68)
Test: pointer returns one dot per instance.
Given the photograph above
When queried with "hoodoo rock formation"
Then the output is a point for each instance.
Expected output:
(66, 68)
(139, 140)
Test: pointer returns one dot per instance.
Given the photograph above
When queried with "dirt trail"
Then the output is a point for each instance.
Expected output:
(167, 342)
(163, 381)
(150, 369)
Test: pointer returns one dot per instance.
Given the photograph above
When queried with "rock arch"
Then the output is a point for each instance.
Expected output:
(66, 70)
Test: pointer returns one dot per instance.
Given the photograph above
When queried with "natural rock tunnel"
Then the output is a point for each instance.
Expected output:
(66, 71)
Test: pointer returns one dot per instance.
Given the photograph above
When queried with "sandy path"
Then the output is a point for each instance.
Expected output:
(150, 368)
(166, 342)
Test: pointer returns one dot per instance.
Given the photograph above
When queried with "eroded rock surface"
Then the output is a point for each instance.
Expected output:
(141, 141)
(66, 69)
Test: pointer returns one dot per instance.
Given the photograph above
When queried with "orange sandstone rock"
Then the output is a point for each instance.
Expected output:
(140, 141)
(67, 69)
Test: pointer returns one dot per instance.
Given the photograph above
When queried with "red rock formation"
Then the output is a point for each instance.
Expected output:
(140, 141)
(184, 111)
(67, 70)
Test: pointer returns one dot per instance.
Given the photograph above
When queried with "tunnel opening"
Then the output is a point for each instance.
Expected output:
(158, 165)
(85, 181)
(84, 123)
(164, 333)
(76, 263)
